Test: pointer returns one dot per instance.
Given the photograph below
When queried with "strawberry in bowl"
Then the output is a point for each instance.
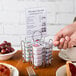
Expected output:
(6, 51)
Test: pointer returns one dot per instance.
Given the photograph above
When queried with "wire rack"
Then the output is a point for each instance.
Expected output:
(38, 52)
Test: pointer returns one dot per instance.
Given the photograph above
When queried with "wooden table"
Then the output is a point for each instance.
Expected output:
(16, 61)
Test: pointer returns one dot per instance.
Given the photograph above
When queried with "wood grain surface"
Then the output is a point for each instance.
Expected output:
(50, 70)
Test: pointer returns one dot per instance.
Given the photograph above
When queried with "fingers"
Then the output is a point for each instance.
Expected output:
(61, 43)
(56, 43)
(72, 44)
(64, 43)
(67, 39)
(69, 45)
(57, 38)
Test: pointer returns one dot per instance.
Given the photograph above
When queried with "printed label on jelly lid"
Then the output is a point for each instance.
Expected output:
(36, 45)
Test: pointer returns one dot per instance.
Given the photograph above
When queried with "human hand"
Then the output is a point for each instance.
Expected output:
(66, 31)
(64, 42)
(72, 42)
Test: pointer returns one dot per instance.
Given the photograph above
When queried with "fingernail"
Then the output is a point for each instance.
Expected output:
(72, 45)
(56, 43)
(67, 38)
(62, 39)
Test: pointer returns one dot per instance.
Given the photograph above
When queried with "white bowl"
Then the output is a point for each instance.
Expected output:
(62, 70)
(70, 53)
(7, 56)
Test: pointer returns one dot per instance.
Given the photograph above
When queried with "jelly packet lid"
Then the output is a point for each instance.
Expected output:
(36, 45)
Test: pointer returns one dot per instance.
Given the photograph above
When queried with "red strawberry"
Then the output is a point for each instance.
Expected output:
(72, 69)
(12, 49)
(7, 50)
(9, 44)
(5, 47)
(5, 42)
(3, 51)
(2, 45)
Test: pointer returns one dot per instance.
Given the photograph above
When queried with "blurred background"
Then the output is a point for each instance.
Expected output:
(12, 17)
